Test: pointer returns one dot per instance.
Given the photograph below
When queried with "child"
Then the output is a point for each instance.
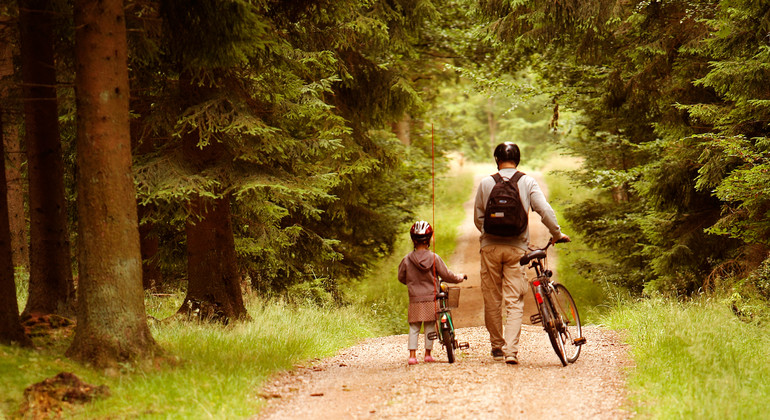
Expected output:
(416, 272)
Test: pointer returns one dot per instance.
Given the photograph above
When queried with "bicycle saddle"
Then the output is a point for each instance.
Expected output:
(539, 254)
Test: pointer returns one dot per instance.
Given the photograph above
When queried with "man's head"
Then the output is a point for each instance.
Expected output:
(421, 232)
(507, 152)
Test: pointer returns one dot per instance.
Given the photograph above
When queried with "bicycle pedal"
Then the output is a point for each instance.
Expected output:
(463, 345)
(432, 335)
(536, 319)
(579, 341)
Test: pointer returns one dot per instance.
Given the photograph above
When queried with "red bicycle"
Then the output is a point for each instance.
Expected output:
(556, 308)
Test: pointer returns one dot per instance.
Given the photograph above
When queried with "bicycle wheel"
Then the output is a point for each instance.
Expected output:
(549, 324)
(446, 338)
(570, 329)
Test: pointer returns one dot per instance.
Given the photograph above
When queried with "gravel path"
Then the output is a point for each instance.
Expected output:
(372, 379)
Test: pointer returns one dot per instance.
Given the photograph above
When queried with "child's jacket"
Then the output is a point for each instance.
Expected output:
(416, 272)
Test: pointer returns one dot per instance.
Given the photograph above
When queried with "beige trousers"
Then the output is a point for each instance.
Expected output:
(503, 285)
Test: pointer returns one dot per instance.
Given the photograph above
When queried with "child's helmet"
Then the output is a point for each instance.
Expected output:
(421, 231)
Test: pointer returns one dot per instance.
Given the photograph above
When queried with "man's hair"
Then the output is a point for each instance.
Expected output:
(507, 152)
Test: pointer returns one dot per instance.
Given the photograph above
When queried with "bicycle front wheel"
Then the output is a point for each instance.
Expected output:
(570, 331)
(446, 338)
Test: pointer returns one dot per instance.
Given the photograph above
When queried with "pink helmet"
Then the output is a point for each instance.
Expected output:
(421, 231)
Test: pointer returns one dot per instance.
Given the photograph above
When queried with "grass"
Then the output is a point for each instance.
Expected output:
(695, 360)
(381, 293)
(220, 368)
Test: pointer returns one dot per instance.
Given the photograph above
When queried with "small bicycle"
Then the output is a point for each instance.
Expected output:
(556, 308)
(447, 298)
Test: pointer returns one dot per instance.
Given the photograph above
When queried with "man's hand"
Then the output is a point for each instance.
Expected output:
(564, 238)
(465, 277)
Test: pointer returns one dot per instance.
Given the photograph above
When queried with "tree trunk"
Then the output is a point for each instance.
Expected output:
(148, 242)
(10, 327)
(149, 246)
(17, 214)
(403, 129)
(112, 324)
(214, 285)
(492, 122)
(51, 288)
(14, 154)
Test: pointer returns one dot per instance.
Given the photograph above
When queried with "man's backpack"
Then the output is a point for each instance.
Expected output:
(505, 215)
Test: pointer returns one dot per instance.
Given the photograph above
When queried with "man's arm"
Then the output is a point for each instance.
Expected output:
(479, 206)
(540, 205)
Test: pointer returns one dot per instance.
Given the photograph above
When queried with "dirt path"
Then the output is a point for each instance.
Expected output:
(372, 379)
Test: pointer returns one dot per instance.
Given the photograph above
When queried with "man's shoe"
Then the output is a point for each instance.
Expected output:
(412, 361)
(497, 354)
(511, 360)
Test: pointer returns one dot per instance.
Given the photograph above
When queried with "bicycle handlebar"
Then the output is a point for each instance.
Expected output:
(539, 253)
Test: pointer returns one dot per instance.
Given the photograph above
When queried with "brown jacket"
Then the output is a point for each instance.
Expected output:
(416, 272)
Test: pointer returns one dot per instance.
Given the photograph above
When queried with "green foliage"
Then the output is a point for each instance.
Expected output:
(465, 111)
(211, 371)
(288, 102)
(694, 360)
(672, 125)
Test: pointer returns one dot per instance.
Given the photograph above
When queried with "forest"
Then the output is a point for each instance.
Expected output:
(223, 149)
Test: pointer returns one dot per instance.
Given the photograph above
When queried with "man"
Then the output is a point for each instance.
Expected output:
(503, 280)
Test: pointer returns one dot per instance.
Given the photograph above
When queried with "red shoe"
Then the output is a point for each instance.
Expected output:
(429, 359)
(412, 361)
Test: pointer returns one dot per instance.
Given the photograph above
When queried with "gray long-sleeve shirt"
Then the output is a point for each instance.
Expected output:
(532, 197)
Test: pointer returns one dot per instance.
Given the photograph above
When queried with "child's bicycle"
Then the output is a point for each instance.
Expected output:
(556, 308)
(447, 298)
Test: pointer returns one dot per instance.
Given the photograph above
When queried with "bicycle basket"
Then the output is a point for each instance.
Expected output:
(453, 296)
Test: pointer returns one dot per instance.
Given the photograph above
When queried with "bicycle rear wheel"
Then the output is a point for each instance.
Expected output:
(549, 324)
(570, 330)
(446, 338)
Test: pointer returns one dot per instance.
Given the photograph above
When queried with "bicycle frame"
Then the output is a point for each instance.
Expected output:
(445, 329)
(541, 287)
(444, 314)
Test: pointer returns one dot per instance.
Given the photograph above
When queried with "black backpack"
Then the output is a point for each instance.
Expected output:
(505, 215)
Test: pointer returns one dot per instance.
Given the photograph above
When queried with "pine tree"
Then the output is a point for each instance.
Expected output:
(51, 287)
(112, 323)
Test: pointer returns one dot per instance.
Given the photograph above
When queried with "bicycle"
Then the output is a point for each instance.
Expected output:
(556, 308)
(447, 298)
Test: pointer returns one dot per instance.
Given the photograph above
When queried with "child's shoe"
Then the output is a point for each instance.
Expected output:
(412, 361)
(429, 359)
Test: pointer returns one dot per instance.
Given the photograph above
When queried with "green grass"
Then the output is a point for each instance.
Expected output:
(695, 360)
(381, 293)
(219, 371)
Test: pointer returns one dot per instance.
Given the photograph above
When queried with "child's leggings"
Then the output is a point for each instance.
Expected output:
(414, 332)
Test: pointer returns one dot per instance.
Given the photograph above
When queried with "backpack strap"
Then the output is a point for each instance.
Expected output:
(515, 178)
